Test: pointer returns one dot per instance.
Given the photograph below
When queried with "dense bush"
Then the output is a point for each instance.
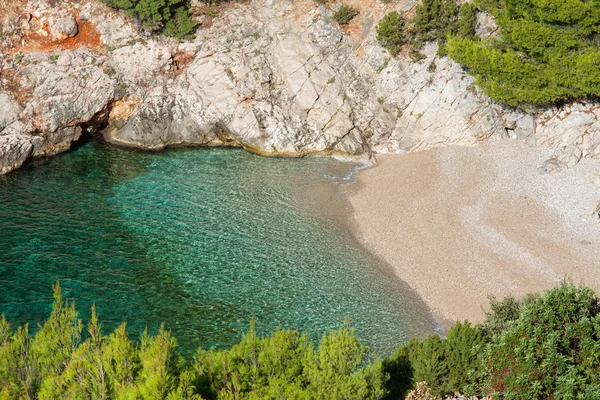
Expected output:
(446, 365)
(503, 312)
(541, 347)
(390, 32)
(56, 363)
(344, 14)
(548, 52)
(438, 19)
(433, 20)
(171, 17)
(551, 351)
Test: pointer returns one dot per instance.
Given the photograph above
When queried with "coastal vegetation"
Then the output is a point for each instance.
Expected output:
(539, 347)
(390, 32)
(546, 52)
(62, 360)
(543, 52)
(170, 17)
(433, 20)
(345, 14)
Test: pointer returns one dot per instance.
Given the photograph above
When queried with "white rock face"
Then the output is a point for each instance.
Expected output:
(297, 85)
(572, 130)
(276, 77)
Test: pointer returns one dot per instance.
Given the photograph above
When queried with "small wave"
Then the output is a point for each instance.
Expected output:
(348, 176)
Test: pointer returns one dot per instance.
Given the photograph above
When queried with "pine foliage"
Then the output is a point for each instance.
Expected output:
(171, 17)
(547, 52)
(446, 365)
(390, 32)
(540, 347)
(286, 365)
(56, 363)
(434, 20)
(345, 14)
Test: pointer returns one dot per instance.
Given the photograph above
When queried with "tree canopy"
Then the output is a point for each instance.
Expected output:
(55, 362)
(547, 52)
(540, 347)
(171, 17)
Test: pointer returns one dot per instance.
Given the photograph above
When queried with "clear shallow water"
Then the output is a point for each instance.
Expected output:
(199, 239)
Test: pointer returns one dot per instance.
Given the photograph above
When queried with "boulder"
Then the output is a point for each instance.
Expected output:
(65, 27)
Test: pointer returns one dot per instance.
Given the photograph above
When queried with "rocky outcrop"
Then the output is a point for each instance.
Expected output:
(277, 77)
(572, 130)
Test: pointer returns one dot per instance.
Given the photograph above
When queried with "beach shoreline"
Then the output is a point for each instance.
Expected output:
(460, 224)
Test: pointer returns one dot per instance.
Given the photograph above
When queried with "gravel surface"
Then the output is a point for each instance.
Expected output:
(461, 223)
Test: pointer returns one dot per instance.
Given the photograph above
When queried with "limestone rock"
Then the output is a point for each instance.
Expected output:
(65, 28)
(14, 151)
(275, 77)
(486, 25)
(550, 166)
(595, 213)
(15, 147)
(573, 131)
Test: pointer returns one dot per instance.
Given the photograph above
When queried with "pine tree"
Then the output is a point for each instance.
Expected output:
(461, 357)
(86, 375)
(124, 363)
(428, 362)
(390, 32)
(160, 365)
(57, 339)
(17, 373)
(334, 370)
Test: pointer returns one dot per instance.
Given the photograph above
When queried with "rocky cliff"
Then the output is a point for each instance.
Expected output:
(277, 77)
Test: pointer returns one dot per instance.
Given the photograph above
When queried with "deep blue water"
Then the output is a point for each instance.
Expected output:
(199, 239)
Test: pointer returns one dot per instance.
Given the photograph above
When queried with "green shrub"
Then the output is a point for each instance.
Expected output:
(58, 363)
(547, 53)
(503, 313)
(416, 56)
(344, 14)
(445, 364)
(390, 32)
(435, 20)
(539, 347)
(171, 17)
(551, 351)
(467, 20)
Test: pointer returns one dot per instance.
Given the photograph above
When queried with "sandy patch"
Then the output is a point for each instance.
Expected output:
(461, 223)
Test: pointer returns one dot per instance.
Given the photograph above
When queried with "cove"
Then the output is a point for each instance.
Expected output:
(201, 240)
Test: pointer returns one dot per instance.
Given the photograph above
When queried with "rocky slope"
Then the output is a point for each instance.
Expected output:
(277, 77)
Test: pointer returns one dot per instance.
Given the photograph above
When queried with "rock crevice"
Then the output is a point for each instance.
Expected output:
(275, 77)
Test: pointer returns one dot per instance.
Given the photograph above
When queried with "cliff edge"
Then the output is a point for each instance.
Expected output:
(278, 78)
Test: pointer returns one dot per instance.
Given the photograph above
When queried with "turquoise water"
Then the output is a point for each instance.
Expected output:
(199, 239)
